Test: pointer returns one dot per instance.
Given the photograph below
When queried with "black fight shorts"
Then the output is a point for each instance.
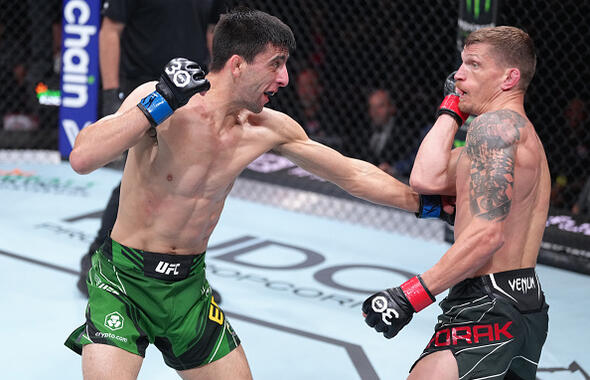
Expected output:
(495, 326)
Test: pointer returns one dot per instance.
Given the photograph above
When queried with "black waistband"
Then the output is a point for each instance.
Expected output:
(520, 286)
(156, 265)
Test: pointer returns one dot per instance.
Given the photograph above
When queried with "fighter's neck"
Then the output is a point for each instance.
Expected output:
(514, 102)
(220, 101)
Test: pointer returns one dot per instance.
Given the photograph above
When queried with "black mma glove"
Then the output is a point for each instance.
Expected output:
(391, 309)
(433, 206)
(111, 101)
(180, 80)
(450, 104)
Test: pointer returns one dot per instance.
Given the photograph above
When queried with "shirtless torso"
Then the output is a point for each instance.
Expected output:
(174, 186)
(514, 189)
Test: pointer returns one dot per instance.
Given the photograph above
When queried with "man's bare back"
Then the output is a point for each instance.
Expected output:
(515, 189)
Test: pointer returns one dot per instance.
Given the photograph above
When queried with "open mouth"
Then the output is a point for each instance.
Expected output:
(270, 94)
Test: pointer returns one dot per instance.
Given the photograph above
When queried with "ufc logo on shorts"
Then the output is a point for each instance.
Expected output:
(167, 268)
(379, 305)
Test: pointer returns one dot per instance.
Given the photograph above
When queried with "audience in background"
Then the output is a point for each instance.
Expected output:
(570, 164)
(383, 140)
(309, 109)
(30, 48)
(16, 107)
(582, 205)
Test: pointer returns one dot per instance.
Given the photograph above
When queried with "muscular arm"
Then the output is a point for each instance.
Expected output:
(103, 141)
(434, 170)
(491, 145)
(109, 42)
(357, 177)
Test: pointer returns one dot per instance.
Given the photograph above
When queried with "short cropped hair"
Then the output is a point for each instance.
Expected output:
(247, 33)
(512, 47)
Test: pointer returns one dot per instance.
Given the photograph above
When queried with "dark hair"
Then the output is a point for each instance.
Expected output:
(512, 46)
(247, 33)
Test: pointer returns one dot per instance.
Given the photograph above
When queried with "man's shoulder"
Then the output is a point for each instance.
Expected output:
(268, 117)
(279, 127)
(502, 122)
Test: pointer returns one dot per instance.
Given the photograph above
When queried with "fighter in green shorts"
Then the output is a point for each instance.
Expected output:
(138, 297)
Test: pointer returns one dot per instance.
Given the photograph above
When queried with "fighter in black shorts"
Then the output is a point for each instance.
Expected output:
(494, 320)
(495, 325)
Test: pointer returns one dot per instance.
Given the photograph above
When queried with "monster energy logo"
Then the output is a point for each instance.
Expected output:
(477, 7)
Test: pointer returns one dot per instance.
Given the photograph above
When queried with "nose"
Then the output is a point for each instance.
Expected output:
(460, 74)
(283, 77)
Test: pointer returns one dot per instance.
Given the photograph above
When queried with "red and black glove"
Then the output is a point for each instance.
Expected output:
(391, 309)
(450, 104)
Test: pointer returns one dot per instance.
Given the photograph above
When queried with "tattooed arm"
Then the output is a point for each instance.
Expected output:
(491, 146)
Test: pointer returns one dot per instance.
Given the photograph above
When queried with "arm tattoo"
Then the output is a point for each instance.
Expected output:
(491, 146)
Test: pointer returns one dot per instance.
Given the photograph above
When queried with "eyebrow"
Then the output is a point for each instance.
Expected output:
(471, 56)
(280, 57)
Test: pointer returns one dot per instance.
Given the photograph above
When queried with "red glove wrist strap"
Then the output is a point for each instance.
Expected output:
(417, 294)
(451, 102)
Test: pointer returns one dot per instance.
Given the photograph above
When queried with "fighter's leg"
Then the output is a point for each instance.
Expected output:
(439, 365)
(233, 366)
(106, 225)
(102, 361)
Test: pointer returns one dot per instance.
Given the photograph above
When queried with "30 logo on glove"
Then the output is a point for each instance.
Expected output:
(180, 80)
(379, 305)
(176, 70)
(390, 310)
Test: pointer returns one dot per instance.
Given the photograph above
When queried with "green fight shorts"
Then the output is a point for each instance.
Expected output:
(495, 326)
(138, 297)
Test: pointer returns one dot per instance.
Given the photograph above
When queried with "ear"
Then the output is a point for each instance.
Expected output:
(236, 65)
(511, 79)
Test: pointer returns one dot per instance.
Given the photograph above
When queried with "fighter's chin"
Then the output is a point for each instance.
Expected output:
(465, 107)
(254, 106)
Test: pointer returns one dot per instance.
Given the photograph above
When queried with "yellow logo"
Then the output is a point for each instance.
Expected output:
(215, 313)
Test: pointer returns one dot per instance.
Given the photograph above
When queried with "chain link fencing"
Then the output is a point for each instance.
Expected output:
(30, 43)
(360, 66)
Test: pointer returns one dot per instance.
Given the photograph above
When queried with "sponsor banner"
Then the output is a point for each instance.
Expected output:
(473, 15)
(566, 242)
(79, 70)
(30, 181)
